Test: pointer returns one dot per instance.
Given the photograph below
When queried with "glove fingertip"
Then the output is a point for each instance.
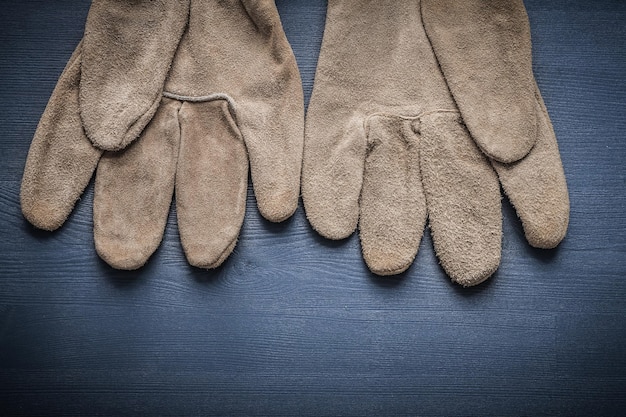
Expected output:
(330, 195)
(387, 263)
(277, 206)
(546, 239)
(505, 142)
(335, 227)
(550, 227)
(474, 274)
(127, 256)
(208, 256)
(42, 215)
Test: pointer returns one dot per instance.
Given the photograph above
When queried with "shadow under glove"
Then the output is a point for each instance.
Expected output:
(422, 109)
(207, 88)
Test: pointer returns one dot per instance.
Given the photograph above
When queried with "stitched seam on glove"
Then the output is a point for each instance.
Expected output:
(202, 99)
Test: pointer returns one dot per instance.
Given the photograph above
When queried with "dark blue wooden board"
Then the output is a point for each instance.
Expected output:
(293, 324)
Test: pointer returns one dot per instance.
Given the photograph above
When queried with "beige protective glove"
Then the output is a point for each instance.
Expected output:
(209, 87)
(423, 109)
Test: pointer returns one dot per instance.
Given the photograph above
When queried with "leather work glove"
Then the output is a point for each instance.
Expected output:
(205, 88)
(423, 109)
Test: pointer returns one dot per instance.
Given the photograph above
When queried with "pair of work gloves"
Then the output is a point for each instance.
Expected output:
(421, 110)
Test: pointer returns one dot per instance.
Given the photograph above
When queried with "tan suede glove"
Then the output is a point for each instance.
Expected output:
(423, 109)
(206, 88)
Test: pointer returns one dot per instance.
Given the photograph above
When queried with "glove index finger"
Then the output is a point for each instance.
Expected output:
(393, 204)
(133, 192)
(127, 52)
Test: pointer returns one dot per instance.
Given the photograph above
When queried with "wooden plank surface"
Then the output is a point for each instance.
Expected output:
(294, 324)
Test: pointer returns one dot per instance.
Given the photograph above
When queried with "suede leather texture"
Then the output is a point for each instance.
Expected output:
(422, 109)
(61, 160)
(230, 100)
(127, 51)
